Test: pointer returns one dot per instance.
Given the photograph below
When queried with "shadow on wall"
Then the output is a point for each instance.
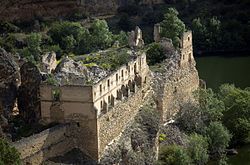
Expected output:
(49, 143)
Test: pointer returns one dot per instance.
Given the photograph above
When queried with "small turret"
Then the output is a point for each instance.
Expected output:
(157, 31)
(135, 38)
(186, 48)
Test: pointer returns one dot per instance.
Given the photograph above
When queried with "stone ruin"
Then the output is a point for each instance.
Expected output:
(185, 46)
(135, 38)
(48, 62)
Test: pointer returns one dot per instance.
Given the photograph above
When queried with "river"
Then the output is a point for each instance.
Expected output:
(217, 70)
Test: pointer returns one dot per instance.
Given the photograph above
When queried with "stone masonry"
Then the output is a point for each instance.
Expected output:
(98, 113)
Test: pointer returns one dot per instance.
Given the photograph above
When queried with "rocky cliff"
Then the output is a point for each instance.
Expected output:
(26, 10)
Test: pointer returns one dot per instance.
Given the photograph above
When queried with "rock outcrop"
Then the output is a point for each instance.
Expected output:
(72, 72)
(9, 80)
(28, 93)
(49, 62)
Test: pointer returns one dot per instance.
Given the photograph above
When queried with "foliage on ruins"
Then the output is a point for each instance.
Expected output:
(172, 26)
(8, 155)
(109, 60)
(155, 54)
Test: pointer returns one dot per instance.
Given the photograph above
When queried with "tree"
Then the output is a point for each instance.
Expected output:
(8, 155)
(69, 43)
(67, 34)
(101, 37)
(237, 114)
(218, 138)
(196, 117)
(155, 54)
(172, 26)
(197, 149)
(122, 38)
(34, 45)
(174, 155)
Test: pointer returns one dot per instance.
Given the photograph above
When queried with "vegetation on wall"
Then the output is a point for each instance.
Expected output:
(172, 27)
(155, 54)
(8, 154)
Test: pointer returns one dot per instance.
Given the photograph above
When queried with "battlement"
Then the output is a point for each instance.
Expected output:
(185, 45)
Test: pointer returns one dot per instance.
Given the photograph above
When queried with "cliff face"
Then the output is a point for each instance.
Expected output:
(26, 10)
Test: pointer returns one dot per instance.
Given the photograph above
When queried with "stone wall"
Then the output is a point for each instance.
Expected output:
(178, 89)
(112, 124)
(49, 143)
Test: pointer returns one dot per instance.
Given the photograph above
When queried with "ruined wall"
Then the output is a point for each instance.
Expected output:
(26, 10)
(113, 87)
(74, 105)
(111, 124)
(178, 90)
(49, 143)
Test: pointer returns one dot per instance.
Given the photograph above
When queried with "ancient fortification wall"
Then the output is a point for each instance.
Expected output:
(25, 10)
(49, 143)
(94, 115)
(112, 123)
(177, 91)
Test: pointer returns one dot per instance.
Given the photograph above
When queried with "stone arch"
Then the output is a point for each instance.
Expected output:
(119, 95)
(124, 91)
(131, 86)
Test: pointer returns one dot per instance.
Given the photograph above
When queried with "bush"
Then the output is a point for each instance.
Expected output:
(8, 155)
(173, 155)
(218, 138)
(197, 149)
(155, 54)
(237, 115)
(195, 118)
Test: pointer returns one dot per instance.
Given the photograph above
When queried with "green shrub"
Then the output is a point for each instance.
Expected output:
(198, 149)
(174, 155)
(237, 115)
(218, 138)
(155, 54)
(8, 155)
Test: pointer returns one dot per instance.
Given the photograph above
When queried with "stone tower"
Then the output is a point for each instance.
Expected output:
(186, 48)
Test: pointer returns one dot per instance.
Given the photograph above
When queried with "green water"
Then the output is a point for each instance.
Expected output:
(219, 70)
